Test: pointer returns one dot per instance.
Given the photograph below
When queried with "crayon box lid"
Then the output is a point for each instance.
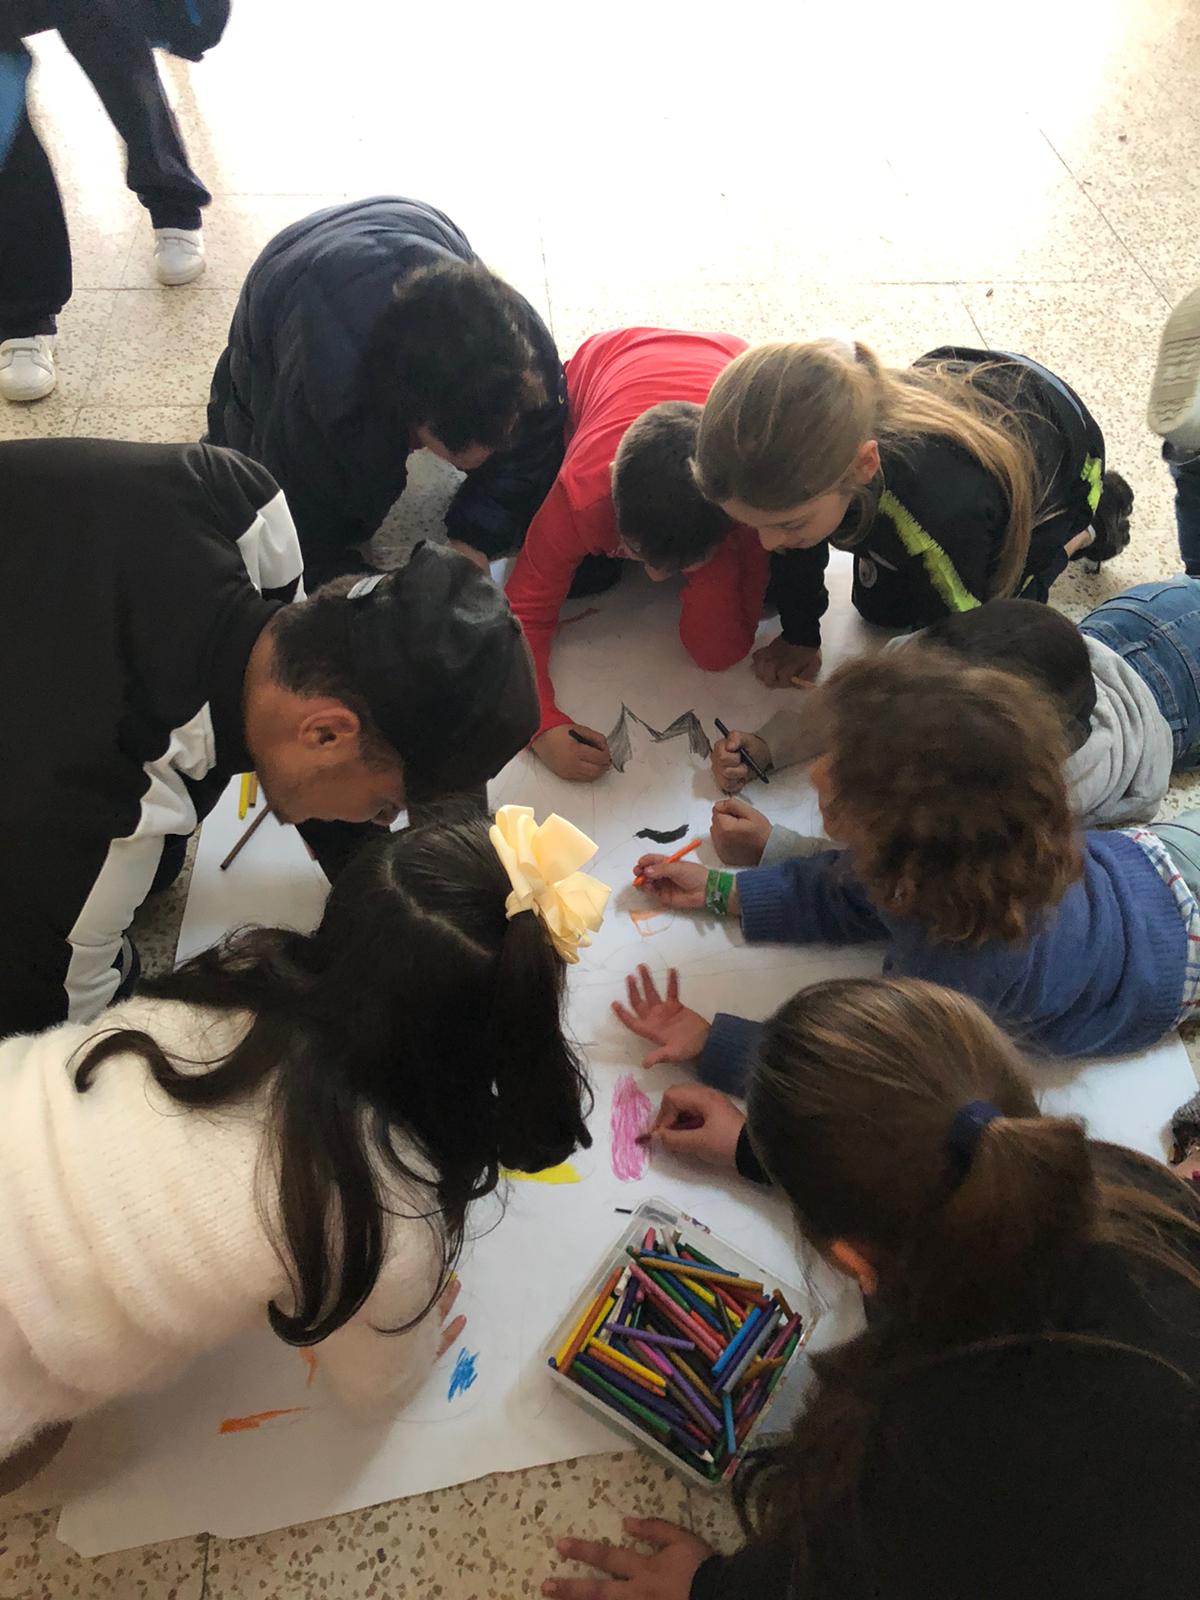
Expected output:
(806, 1301)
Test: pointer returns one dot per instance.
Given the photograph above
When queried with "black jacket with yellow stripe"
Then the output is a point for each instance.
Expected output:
(931, 536)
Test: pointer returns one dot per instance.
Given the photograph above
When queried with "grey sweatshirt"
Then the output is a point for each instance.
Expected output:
(1119, 775)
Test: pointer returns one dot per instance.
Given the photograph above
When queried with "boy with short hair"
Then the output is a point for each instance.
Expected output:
(626, 490)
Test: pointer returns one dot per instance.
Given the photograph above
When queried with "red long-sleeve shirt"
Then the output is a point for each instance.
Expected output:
(611, 379)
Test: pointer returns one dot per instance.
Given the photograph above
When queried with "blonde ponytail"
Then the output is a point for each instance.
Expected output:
(784, 423)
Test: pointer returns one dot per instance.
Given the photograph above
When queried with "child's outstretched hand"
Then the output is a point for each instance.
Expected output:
(445, 1305)
(665, 1575)
(576, 761)
(739, 833)
(781, 665)
(700, 1123)
(679, 884)
(676, 1033)
(729, 770)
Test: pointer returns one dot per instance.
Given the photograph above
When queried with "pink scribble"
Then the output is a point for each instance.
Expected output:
(632, 1114)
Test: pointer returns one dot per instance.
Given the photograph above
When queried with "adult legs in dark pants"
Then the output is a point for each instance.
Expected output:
(35, 258)
(1187, 510)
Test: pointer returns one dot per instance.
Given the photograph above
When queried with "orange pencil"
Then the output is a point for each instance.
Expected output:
(639, 880)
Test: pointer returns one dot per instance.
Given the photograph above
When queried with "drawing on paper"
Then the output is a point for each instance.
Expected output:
(564, 1172)
(464, 1373)
(686, 726)
(667, 837)
(311, 1361)
(257, 1418)
(632, 1114)
(652, 921)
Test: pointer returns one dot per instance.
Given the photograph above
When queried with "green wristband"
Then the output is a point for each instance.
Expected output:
(717, 889)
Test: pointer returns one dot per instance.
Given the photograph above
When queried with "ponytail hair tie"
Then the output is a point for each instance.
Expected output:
(969, 1122)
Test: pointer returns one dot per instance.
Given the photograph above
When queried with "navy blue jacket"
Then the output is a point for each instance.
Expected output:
(288, 390)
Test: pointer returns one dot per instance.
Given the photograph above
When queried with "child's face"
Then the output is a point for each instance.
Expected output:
(802, 526)
(838, 827)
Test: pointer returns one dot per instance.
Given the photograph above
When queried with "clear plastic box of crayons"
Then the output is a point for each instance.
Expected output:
(684, 1342)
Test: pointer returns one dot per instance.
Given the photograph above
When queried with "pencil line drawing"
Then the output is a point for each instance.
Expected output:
(631, 1117)
(686, 725)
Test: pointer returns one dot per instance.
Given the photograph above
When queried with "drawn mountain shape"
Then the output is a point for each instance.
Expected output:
(685, 726)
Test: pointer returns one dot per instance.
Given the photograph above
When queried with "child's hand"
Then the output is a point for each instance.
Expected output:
(445, 1305)
(679, 884)
(568, 758)
(700, 1123)
(739, 833)
(781, 665)
(728, 769)
(665, 1575)
(677, 1033)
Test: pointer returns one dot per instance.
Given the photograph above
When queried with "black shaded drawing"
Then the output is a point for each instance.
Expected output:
(620, 746)
(669, 837)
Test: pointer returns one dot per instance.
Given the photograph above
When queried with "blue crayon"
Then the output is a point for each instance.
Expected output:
(732, 1353)
(730, 1436)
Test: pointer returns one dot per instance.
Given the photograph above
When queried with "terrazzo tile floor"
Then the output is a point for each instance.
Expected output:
(923, 174)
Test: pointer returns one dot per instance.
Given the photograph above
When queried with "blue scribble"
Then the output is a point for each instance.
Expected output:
(464, 1373)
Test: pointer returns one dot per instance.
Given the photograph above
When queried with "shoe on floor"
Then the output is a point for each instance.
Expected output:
(178, 254)
(1174, 410)
(27, 367)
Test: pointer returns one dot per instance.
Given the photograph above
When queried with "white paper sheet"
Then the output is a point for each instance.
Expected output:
(179, 1474)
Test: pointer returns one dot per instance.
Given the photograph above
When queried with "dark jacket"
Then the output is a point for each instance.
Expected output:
(289, 388)
(1042, 1469)
(134, 581)
(935, 524)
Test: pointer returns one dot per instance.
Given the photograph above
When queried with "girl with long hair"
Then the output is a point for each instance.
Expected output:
(1020, 1415)
(970, 475)
(293, 1128)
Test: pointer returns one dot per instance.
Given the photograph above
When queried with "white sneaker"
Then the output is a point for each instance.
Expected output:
(1174, 410)
(178, 254)
(27, 367)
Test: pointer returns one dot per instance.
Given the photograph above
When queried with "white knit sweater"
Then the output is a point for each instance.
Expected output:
(132, 1239)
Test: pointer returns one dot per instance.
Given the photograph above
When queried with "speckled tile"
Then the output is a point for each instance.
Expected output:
(161, 346)
(83, 328)
(35, 1566)
(900, 321)
(236, 227)
(147, 424)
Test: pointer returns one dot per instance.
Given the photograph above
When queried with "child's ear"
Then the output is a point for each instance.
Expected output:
(866, 462)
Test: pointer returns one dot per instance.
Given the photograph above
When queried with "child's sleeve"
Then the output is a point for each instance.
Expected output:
(789, 738)
(375, 1371)
(541, 580)
(952, 558)
(785, 844)
(722, 603)
(812, 900)
(798, 588)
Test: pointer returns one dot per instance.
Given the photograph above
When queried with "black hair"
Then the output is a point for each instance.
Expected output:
(416, 1010)
(452, 353)
(661, 514)
(1032, 641)
(311, 655)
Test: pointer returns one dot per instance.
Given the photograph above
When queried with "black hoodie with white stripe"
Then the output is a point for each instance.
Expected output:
(134, 581)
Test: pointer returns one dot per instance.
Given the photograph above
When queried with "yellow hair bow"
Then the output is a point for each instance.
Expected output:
(543, 867)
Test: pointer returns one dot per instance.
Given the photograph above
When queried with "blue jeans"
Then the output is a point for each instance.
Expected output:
(1155, 627)
(1187, 510)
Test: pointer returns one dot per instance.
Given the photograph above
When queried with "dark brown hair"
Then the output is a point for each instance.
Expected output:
(948, 778)
(851, 1108)
(661, 514)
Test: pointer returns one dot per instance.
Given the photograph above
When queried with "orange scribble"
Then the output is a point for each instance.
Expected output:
(309, 1358)
(244, 1424)
(642, 919)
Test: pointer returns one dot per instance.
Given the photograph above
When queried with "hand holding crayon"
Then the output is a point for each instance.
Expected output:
(700, 1123)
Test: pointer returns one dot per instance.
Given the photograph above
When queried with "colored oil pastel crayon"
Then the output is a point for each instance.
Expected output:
(678, 1314)
(679, 1291)
(583, 1327)
(732, 1375)
(694, 1377)
(667, 1340)
(659, 1426)
(627, 1362)
(730, 1355)
(658, 1404)
(680, 1386)
(730, 1435)
(728, 1280)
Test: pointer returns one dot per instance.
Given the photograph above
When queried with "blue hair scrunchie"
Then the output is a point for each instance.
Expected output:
(969, 1122)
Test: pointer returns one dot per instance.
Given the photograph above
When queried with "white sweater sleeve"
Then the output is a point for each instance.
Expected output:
(372, 1370)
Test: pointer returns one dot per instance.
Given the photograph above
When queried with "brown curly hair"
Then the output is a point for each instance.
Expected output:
(948, 780)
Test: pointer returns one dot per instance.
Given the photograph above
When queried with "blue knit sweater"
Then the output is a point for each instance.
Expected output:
(1102, 975)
